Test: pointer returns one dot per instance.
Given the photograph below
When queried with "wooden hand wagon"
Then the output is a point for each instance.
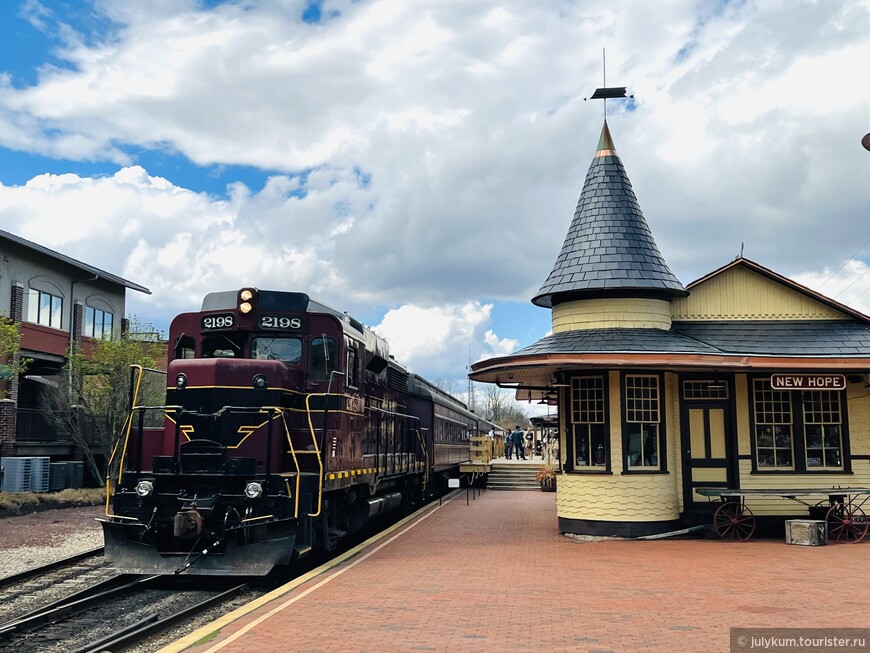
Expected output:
(843, 510)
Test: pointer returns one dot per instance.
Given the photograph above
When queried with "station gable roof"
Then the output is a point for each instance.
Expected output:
(744, 289)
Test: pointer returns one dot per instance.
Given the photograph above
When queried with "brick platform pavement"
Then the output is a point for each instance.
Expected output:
(496, 576)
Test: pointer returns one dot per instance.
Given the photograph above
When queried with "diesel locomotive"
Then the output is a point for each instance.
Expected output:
(286, 426)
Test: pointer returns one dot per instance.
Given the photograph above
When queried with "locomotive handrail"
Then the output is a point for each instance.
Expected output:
(425, 457)
(281, 411)
(316, 448)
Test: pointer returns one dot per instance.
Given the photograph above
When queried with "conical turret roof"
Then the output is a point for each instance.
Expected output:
(609, 250)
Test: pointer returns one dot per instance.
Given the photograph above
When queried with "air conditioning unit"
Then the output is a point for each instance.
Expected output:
(16, 474)
(40, 474)
(807, 532)
(57, 477)
(75, 471)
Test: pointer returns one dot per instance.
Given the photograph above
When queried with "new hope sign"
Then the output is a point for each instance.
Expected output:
(807, 382)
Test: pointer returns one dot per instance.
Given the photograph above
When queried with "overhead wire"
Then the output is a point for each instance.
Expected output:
(837, 271)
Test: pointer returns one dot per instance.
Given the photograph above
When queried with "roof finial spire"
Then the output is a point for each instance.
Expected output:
(604, 78)
(605, 92)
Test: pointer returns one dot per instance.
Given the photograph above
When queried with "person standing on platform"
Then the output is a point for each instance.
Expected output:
(517, 439)
(491, 435)
(508, 445)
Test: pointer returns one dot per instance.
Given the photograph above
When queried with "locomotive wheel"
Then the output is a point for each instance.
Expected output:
(734, 521)
(846, 523)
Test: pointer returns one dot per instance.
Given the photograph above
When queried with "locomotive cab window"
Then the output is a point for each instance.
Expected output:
(220, 347)
(184, 347)
(352, 370)
(281, 349)
(321, 358)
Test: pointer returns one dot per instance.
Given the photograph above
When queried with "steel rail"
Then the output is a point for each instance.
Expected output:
(141, 630)
(71, 605)
(8, 581)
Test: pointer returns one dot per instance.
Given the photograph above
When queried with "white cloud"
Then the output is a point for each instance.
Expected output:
(430, 154)
(439, 339)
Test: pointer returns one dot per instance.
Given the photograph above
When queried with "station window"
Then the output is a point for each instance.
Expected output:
(798, 430)
(642, 428)
(589, 423)
(773, 426)
(44, 308)
(823, 424)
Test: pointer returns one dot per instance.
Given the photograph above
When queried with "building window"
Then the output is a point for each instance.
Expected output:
(773, 426)
(44, 308)
(705, 390)
(642, 428)
(589, 423)
(98, 324)
(823, 424)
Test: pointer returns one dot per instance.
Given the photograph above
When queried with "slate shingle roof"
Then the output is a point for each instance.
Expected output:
(609, 247)
(616, 341)
(782, 338)
(816, 338)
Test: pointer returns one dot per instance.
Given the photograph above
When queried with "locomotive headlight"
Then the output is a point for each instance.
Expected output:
(246, 300)
(253, 490)
(260, 382)
(144, 488)
(181, 381)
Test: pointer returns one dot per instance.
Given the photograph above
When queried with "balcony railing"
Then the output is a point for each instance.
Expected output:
(35, 425)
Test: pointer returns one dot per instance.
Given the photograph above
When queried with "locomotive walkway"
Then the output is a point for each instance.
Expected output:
(496, 576)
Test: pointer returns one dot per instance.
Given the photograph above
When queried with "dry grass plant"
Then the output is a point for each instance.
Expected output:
(22, 503)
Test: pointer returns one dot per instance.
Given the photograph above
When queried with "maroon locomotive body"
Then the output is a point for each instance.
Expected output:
(286, 426)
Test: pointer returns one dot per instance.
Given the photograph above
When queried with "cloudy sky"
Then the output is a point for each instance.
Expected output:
(417, 162)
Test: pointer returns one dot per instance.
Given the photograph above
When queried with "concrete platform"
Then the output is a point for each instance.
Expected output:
(496, 576)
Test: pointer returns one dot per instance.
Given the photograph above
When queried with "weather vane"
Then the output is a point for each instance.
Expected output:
(607, 92)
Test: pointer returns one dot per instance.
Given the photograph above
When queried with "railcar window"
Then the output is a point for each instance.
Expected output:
(321, 358)
(281, 349)
(220, 347)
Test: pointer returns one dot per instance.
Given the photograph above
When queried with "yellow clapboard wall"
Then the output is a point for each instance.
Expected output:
(742, 294)
(613, 313)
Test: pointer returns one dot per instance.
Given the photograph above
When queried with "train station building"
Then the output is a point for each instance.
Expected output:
(740, 379)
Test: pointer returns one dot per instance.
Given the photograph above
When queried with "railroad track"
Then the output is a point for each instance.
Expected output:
(20, 577)
(41, 586)
(111, 614)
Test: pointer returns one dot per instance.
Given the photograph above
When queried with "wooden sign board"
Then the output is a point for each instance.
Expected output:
(807, 382)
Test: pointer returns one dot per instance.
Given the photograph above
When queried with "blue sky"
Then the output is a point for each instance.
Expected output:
(418, 163)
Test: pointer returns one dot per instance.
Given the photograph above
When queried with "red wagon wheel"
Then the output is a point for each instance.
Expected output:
(734, 521)
(846, 523)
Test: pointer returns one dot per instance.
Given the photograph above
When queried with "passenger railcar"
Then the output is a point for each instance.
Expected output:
(287, 425)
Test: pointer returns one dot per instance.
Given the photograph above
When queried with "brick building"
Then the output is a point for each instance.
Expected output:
(58, 301)
(741, 379)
